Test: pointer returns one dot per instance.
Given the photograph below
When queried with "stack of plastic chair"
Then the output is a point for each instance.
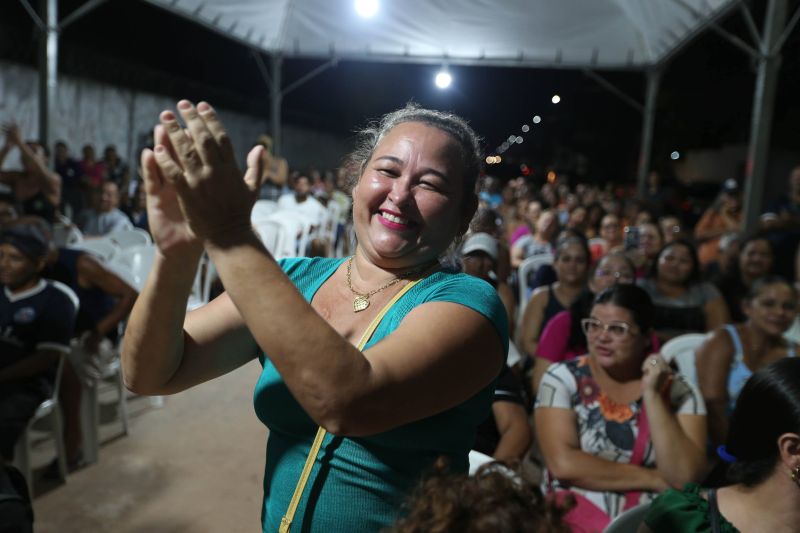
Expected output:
(629, 521)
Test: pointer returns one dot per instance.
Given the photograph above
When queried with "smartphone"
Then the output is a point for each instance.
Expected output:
(631, 237)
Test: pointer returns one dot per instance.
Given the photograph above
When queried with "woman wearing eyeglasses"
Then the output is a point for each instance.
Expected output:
(562, 338)
(616, 426)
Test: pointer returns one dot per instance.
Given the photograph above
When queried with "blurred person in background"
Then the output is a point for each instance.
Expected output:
(104, 217)
(276, 171)
(571, 264)
(36, 189)
(70, 172)
(723, 216)
(762, 489)
(683, 302)
(730, 356)
(754, 260)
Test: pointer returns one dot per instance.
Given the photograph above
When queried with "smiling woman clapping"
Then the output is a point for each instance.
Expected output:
(392, 400)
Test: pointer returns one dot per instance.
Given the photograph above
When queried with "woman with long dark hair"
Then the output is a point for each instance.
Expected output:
(763, 455)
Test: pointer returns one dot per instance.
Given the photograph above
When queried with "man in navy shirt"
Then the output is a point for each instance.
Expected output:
(37, 318)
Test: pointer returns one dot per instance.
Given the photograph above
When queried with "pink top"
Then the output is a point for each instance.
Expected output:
(521, 231)
(554, 338)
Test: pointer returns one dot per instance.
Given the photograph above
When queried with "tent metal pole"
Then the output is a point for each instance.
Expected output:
(763, 107)
(48, 69)
(275, 103)
(613, 89)
(648, 125)
(80, 12)
(309, 76)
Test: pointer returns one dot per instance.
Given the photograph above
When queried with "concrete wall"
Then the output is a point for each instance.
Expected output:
(101, 114)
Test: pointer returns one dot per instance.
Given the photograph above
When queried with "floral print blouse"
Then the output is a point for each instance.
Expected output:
(606, 429)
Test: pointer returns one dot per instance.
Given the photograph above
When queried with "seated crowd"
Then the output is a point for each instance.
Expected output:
(615, 423)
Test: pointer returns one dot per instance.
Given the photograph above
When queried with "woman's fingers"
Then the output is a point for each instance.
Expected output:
(169, 169)
(214, 125)
(204, 142)
(153, 180)
(255, 170)
(184, 147)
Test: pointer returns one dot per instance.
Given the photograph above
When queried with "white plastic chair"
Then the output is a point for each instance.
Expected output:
(334, 211)
(682, 350)
(50, 410)
(528, 266)
(201, 286)
(134, 264)
(65, 233)
(103, 248)
(272, 234)
(263, 209)
(300, 235)
(90, 405)
(629, 521)
(129, 238)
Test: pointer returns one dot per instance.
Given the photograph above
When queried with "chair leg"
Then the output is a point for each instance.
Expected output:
(61, 450)
(22, 458)
(123, 402)
(90, 423)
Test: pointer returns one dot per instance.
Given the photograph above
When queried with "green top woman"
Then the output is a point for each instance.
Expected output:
(414, 194)
(763, 449)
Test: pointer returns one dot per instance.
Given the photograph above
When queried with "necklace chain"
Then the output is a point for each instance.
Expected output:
(361, 300)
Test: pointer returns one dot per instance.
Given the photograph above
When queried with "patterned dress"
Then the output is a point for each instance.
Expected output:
(605, 428)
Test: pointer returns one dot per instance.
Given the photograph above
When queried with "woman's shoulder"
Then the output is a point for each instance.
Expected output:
(301, 269)
(448, 285)
(681, 511)
(704, 291)
(676, 507)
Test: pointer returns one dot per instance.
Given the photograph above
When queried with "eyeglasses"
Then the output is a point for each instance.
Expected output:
(620, 277)
(617, 330)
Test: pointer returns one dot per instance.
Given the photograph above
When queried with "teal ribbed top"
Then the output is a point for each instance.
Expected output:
(357, 484)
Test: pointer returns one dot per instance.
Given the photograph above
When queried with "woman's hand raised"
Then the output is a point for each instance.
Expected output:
(200, 166)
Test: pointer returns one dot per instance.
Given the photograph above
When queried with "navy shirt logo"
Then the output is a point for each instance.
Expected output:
(26, 315)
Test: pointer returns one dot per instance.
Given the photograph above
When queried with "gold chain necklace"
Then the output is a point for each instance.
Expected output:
(361, 301)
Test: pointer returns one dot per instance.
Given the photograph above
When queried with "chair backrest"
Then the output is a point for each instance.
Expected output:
(301, 237)
(263, 209)
(134, 264)
(527, 267)
(332, 222)
(65, 233)
(272, 234)
(629, 521)
(682, 350)
(129, 238)
(102, 248)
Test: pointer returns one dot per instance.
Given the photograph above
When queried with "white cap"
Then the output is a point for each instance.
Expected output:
(480, 242)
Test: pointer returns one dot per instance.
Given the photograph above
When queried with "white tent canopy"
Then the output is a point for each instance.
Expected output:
(602, 34)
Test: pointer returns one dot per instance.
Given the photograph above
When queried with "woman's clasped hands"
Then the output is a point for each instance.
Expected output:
(656, 374)
(196, 195)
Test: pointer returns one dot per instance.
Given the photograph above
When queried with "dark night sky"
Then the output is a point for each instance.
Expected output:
(705, 101)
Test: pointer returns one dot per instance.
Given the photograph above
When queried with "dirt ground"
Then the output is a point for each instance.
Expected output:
(194, 464)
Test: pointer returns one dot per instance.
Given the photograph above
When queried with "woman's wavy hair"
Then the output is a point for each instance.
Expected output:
(488, 502)
(767, 407)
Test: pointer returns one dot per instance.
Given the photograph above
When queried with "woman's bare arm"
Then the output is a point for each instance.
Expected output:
(713, 362)
(558, 440)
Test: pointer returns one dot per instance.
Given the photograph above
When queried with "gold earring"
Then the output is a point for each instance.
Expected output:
(796, 475)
